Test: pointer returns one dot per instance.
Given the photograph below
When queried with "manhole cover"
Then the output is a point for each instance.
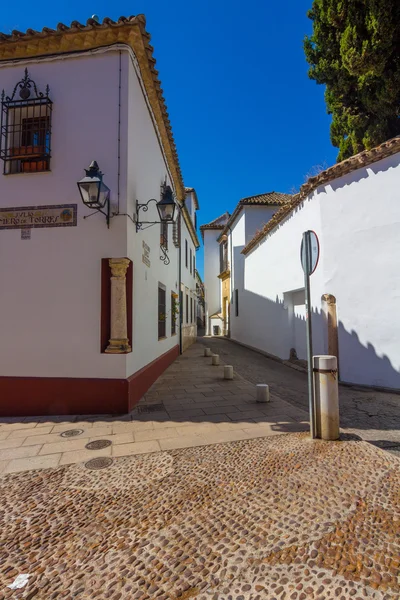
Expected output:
(71, 433)
(148, 408)
(98, 444)
(99, 463)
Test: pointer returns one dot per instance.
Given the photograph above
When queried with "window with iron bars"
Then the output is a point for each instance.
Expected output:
(25, 135)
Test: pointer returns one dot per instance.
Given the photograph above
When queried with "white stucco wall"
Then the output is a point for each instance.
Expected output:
(146, 171)
(50, 306)
(212, 284)
(357, 220)
(188, 280)
(50, 295)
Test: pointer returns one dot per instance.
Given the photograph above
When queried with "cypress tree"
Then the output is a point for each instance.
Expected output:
(355, 51)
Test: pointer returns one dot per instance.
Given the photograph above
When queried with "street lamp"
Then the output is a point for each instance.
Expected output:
(166, 212)
(95, 194)
(165, 208)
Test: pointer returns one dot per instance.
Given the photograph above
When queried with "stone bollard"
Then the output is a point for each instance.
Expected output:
(262, 392)
(207, 351)
(215, 360)
(326, 397)
(228, 372)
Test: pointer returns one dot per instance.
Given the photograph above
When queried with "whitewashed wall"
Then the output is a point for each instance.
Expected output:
(211, 271)
(50, 291)
(357, 220)
(145, 172)
(50, 306)
(188, 279)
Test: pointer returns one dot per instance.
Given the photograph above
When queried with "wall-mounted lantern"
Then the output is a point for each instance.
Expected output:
(166, 211)
(165, 207)
(95, 194)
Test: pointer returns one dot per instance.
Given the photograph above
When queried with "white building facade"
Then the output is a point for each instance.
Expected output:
(355, 290)
(82, 305)
(212, 285)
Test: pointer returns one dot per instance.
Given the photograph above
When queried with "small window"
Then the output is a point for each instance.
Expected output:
(25, 128)
(161, 312)
(237, 303)
(164, 235)
(194, 265)
(174, 316)
(191, 310)
(187, 308)
(186, 253)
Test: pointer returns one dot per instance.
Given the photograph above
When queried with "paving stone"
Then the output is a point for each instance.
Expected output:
(183, 441)
(29, 464)
(63, 446)
(136, 448)
(11, 443)
(155, 434)
(77, 456)
(20, 452)
(30, 431)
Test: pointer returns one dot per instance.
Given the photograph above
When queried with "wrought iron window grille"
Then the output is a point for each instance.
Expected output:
(25, 128)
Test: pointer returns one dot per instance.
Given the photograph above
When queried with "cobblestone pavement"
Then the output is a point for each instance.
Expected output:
(277, 518)
(373, 415)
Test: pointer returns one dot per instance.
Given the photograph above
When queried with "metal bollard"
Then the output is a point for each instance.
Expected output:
(326, 396)
(207, 351)
(215, 360)
(228, 372)
(262, 392)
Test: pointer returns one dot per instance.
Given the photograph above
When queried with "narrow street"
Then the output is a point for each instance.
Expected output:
(373, 415)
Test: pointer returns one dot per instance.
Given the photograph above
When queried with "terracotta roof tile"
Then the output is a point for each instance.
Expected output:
(353, 163)
(267, 199)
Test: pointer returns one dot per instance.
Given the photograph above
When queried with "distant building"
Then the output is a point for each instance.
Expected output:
(90, 315)
(213, 295)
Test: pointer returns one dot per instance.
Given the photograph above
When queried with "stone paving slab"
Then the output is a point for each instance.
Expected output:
(280, 517)
(194, 406)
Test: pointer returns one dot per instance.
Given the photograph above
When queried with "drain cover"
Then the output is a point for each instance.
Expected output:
(98, 444)
(99, 463)
(148, 408)
(71, 433)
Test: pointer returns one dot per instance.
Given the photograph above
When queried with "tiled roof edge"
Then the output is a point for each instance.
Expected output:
(245, 202)
(364, 158)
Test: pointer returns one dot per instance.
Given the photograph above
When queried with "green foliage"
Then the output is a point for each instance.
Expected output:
(355, 51)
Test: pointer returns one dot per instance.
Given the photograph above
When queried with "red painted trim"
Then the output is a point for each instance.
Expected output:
(32, 396)
(28, 396)
(142, 380)
(105, 315)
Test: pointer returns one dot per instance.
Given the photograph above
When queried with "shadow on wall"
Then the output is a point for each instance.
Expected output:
(266, 325)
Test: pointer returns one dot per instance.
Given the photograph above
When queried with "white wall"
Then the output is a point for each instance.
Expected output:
(357, 220)
(188, 279)
(146, 170)
(50, 292)
(212, 284)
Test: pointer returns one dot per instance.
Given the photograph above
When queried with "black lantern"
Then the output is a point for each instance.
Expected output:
(166, 206)
(95, 194)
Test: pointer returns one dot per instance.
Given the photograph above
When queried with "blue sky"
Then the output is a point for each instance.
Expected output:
(245, 116)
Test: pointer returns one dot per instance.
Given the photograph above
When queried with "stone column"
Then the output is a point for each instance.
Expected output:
(119, 343)
(329, 308)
